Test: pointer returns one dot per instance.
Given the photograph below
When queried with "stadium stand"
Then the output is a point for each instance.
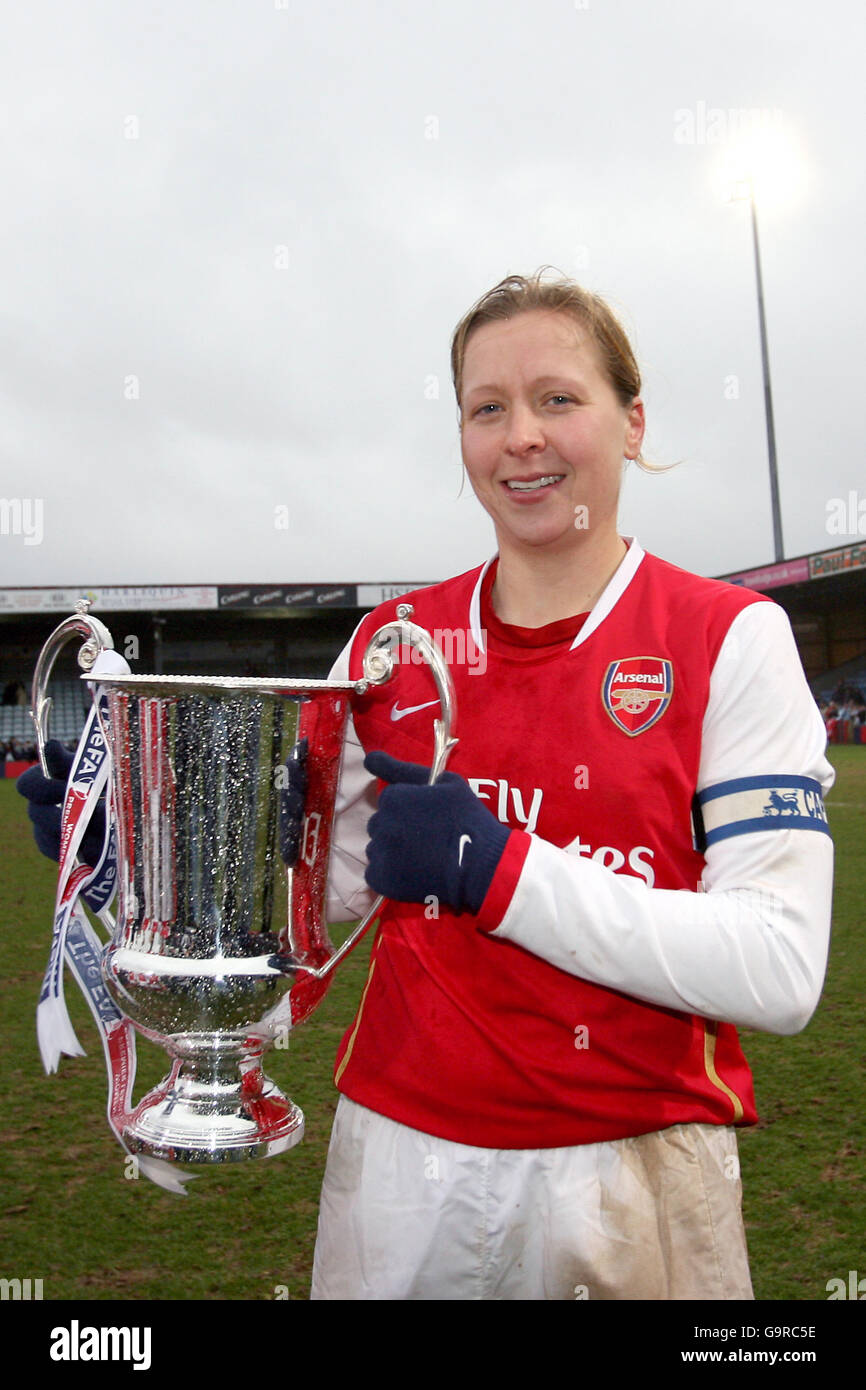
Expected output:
(17, 736)
(256, 629)
(67, 715)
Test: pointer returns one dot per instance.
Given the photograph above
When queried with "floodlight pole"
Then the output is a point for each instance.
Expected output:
(778, 544)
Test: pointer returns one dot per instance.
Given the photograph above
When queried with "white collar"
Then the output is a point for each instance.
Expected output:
(613, 591)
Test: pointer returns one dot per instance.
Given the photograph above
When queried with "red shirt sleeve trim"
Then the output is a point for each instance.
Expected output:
(504, 881)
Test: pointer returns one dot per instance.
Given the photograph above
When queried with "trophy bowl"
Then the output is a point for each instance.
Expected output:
(223, 795)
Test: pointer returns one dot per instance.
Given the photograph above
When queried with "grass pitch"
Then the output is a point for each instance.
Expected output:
(72, 1218)
(803, 1163)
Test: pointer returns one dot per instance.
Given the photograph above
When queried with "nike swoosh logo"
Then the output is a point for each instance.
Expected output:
(464, 841)
(398, 713)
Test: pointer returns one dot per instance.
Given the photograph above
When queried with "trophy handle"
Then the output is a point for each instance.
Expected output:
(378, 668)
(98, 639)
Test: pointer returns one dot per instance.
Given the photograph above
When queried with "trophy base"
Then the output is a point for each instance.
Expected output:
(216, 1119)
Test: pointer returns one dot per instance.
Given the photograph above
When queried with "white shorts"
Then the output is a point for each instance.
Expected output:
(404, 1215)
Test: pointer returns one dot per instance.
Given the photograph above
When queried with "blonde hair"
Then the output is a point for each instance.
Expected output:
(518, 294)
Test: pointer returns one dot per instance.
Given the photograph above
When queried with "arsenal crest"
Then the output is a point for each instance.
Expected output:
(636, 692)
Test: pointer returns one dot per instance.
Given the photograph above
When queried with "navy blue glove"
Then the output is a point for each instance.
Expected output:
(45, 797)
(438, 841)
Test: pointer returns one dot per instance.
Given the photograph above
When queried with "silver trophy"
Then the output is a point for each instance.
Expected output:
(223, 793)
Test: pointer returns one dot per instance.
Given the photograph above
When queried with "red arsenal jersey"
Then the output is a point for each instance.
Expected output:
(588, 734)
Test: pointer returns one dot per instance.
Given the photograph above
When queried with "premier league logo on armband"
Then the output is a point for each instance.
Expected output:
(636, 691)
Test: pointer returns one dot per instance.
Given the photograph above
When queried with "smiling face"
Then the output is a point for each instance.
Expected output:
(544, 433)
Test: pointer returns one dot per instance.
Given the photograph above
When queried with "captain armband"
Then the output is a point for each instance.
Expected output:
(748, 804)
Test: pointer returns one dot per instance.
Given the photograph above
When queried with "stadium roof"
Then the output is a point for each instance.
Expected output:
(823, 564)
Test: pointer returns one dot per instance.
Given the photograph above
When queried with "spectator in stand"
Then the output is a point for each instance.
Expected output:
(847, 693)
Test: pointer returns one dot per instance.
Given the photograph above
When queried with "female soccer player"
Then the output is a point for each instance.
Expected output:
(627, 859)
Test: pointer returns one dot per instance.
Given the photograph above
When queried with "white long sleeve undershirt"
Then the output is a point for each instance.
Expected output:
(751, 949)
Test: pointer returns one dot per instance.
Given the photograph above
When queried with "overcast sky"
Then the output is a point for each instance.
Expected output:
(237, 237)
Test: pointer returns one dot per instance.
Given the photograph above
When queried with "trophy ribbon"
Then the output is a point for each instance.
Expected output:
(87, 780)
(83, 956)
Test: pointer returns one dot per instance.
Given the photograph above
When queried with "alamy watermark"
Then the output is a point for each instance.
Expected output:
(21, 1290)
(853, 1288)
(23, 516)
(716, 125)
(846, 516)
(77, 1343)
(457, 645)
